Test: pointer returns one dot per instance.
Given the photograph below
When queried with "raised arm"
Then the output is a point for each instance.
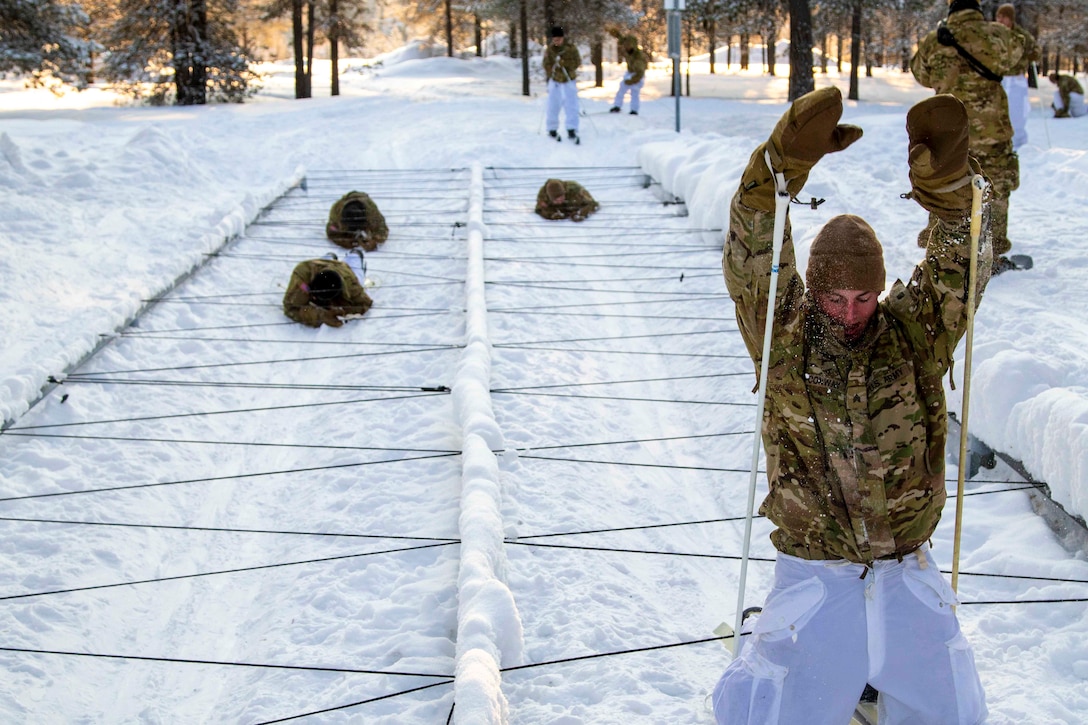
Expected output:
(805, 133)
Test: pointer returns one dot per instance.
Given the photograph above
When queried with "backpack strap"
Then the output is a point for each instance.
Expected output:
(946, 38)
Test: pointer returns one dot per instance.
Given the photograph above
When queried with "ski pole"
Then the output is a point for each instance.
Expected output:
(781, 206)
(978, 186)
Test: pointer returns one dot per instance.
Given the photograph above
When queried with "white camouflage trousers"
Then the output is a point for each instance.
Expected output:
(1076, 104)
(563, 95)
(636, 91)
(825, 632)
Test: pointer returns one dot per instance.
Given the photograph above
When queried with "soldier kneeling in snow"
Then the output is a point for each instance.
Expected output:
(854, 430)
(559, 199)
(354, 221)
(324, 291)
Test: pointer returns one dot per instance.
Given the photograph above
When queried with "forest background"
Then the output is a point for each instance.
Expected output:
(189, 52)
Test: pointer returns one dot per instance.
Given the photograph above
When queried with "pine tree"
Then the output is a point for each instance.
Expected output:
(38, 39)
(184, 51)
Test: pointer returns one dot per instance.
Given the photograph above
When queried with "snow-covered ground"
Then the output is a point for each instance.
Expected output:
(105, 205)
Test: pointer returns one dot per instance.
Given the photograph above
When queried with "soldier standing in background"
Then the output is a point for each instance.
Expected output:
(1069, 98)
(967, 57)
(323, 291)
(1016, 84)
(635, 75)
(854, 430)
(558, 199)
(561, 62)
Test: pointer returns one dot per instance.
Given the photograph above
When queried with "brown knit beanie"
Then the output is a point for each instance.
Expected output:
(846, 255)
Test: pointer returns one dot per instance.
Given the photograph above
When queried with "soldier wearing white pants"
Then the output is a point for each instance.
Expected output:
(635, 88)
(561, 61)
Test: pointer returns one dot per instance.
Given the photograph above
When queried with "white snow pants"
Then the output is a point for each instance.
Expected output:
(1076, 104)
(1016, 89)
(565, 95)
(825, 631)
(636, 91)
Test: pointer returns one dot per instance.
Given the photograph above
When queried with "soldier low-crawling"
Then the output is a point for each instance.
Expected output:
(355, 221)
(323, 291)
(854, 431)
(558, 199)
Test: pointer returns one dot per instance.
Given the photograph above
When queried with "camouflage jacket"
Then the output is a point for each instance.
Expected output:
(1067, 85)
(636, 59)
(561, 62)
(577, 204)
(1031, 50)
(854, 435)
(373, 233)
(297, 304)
(941, 68)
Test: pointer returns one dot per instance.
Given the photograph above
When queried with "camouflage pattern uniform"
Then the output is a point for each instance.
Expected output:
(635, 58)
(1065, 86)
(855, 435)
(298, 306)
(633, 78)
(941, 68)
(577, 203)
(374, 233)
(561, 62)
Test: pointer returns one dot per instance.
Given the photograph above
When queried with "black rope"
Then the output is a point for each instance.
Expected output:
(424, 347)
(670, 466)
(357, 703)
(312, 404)
(239, 570)
(618, 337)
(603, 315)
(657, 353)
(224, 530)
(222, 663)
(254, 444)
(651, 648)
(92, 378)
(628, 441)
(624, 303)
(623, 398)
(212, 479)
(523, 388)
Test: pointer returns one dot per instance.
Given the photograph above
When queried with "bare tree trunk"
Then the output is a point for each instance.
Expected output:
(855, 50)
(512, 39)
(310, 48)
(596, 57)
(297, 46)
(744, 51)
(478, 26)
(524, 48)
(712, 41)
(334, 47)
(449, 28)
(801, 80)
(838, 53)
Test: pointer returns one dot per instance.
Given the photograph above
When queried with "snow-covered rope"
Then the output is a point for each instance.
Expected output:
(488, 624)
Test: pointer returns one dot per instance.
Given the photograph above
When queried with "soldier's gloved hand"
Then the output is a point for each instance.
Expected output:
(330, 318)
(940, 169)
(808, 131)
